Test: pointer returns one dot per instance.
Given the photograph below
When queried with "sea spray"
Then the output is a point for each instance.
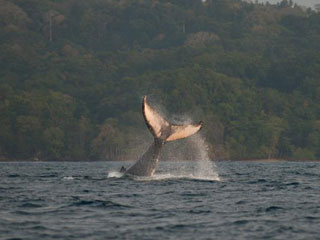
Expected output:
(204, 167)
(115, 174)
(190, 159)
(195, 151)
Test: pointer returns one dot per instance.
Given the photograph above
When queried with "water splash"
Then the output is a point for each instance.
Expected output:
(115, 174)
(171, 176)
(197, 167)
(205, 168)
(196, 151)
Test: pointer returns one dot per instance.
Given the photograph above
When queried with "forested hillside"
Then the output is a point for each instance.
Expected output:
(73, 73)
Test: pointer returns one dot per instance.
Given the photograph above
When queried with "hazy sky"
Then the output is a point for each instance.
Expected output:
(308, 3)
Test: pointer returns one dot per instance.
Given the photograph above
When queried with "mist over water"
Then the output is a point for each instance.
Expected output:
(194, 151)
(205, 168)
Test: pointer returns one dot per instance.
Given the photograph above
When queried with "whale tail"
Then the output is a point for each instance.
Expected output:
(164, 131)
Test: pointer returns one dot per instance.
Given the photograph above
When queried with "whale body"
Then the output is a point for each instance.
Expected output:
(163, 132)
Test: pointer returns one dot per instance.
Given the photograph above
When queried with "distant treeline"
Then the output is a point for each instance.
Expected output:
(73, 73)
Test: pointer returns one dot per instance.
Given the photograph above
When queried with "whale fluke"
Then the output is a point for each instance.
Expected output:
(183, 131)
(162, 129)
(157, 124)
(163, 132)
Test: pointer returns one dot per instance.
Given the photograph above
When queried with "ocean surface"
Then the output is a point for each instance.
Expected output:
(183, 200)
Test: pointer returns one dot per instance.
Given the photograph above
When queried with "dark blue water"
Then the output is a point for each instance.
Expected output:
(79, 201)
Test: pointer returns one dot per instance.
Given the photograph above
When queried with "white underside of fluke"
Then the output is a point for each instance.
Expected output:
(154, 120)
(161, 128)
(183, 131)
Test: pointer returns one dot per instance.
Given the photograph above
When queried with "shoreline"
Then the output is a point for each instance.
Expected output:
(263, 160)
(269, 160)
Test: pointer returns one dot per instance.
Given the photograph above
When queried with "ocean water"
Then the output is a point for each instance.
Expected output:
(229, 200)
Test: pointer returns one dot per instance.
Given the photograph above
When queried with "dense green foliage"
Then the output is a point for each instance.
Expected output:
(73, 73)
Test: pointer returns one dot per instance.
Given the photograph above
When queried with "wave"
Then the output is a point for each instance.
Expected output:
(99, 203)
(168, 176)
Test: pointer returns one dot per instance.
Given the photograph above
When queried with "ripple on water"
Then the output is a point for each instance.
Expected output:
(241, 202)
(292, 184)
(273, 209)
(258, 181)
(241, 222)
(14, 176)
(99, 204)
(68, 178)
(30, 205)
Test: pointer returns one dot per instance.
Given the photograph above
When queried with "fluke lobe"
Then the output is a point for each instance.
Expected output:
(163, 132)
